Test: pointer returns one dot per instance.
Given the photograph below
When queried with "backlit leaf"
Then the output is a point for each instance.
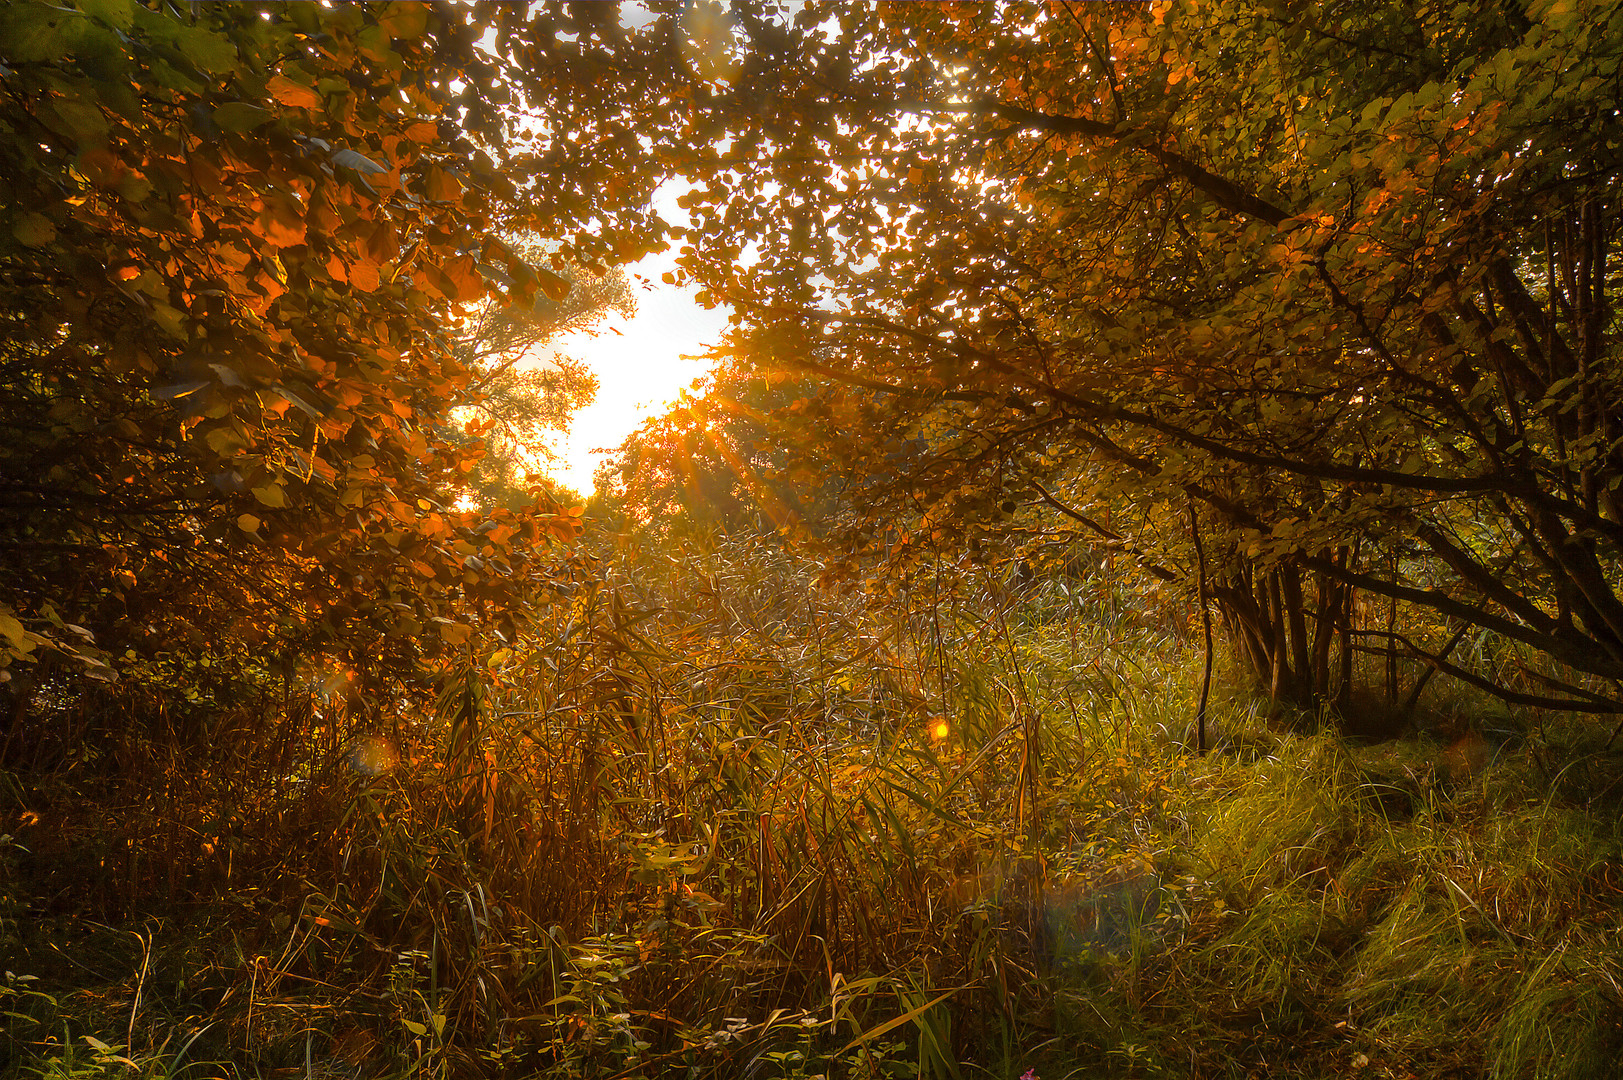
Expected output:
(241, 116)
(118, 14)
(404, 20)
(271, 495)
(554, 286)
(291, 93)
(208, 51)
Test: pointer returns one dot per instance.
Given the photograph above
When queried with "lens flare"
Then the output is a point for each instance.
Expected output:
(371, 756)
(707, 44)
(939, 730)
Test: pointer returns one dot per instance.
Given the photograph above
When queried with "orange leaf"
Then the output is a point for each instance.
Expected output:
(441, 186)
(282, 221)
(462, 273)
(293, 94)
(364, 276)
(382, 245)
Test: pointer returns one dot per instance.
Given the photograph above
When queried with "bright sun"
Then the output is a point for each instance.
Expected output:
(641, 364)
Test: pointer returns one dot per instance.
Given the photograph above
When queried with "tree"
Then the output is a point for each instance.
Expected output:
(516, 396)
(236, 242)
(1341, 276)
(722, 459)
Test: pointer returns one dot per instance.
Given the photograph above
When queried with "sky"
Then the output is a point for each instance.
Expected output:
(641, 363)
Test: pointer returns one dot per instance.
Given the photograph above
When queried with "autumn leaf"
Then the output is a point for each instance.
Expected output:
(282, 221)
(363, 274)
(440, 186)
(404, 19)
(293, 94)
(554, 286)
(271, 495)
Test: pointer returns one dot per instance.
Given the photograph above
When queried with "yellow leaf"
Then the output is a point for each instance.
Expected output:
(248, 523)
(455, 633)
(557, 288)
(271, 495)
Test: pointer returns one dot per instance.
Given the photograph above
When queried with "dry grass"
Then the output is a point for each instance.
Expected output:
(720, 818)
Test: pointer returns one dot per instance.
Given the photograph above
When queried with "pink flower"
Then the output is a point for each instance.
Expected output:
(1029, 1074)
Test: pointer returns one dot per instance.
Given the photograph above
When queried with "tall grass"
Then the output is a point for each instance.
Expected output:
(722, 817)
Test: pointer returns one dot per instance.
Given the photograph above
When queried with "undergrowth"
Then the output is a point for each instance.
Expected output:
(719, 819)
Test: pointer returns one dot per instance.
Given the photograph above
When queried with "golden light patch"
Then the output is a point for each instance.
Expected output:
(939, 729)
(370, 756)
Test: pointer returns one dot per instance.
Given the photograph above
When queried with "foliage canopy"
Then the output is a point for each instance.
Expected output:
(240, 248)
(1339, 276)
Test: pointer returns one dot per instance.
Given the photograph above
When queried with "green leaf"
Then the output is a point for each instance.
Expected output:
(241, 116)
(34, 230)
(889, 1025)
(170, 318)
(373, 42)
(171, 79)
(13, 631)
(80, 120)
(118, 14)
(207, 51)
(133, 188)
(32, 33)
